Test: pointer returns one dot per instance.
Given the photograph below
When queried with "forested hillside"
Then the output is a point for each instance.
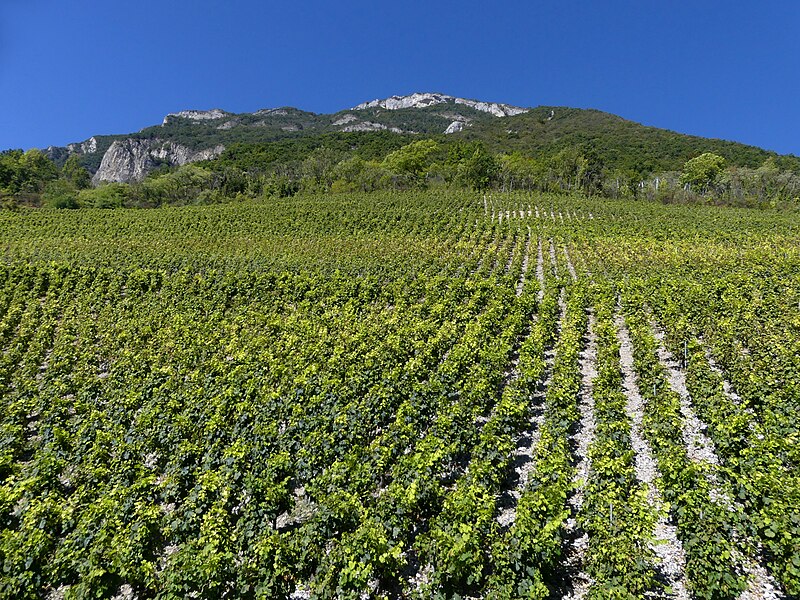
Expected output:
(446, 143)
(383, 160)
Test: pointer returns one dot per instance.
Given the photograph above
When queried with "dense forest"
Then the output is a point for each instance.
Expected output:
(383, 160)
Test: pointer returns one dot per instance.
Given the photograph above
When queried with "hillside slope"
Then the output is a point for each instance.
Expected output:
(189, 136)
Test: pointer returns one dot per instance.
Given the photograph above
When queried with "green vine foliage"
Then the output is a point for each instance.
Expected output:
(332, 395)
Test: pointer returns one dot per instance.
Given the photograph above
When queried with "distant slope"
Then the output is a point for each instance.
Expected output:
(617, 141)
(188, 136)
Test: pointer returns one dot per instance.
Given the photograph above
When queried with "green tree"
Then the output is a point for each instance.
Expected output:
(317, 169)
(349, 169)
(623, 183)
(590, 178)
(9, 167)
(703, 171)
(36, 170)
(412, 160)
(74, 172)
(460, 151)
(565, 169)
(109, 195)
(479, 170)
(60, 194)
(25, 172)
(517, 171)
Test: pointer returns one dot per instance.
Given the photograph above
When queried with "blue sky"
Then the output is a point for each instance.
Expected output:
(69, 70)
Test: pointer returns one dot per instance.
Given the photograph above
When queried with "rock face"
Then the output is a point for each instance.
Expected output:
(369, 126)
(277, 112)
(350, 123)
(196, 115)
(498, 110)
(62, 153)
(417, 100)
(455, 127)
(132, 159)
(344, 120)
(423, 100)
(87, 147)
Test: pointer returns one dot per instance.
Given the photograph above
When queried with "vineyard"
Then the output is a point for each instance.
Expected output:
(400, 395)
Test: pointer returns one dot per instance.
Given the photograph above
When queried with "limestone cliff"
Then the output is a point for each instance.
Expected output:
(423, 100)
(194, 135)
(87, 147)
(455, 127)
(196, 115)
(132, 159)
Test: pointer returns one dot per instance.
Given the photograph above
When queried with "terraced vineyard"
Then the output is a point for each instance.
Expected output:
(400, 396)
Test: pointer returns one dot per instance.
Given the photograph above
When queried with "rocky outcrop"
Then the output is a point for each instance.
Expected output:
(411, 101)
(87, 147)
(127, 160)
(455, 127)
(344, 120)
(272, 112)
(494, 108)
(132, 159)
(369, 126)
(196, 115)
(453, 116)
(59, 154)
(423, 100)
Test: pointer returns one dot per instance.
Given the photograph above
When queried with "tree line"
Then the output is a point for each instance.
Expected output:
(366, 163)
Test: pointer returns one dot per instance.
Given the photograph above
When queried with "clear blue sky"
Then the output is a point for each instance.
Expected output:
(71, 69)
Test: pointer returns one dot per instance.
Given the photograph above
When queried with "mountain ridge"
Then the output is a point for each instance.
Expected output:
(193, 135)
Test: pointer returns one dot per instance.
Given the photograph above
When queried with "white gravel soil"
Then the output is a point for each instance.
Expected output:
(525, 260)
(578, 541)
(698, 446)
(570, 266)
(300, 593)
(667, 547)
(760, 584)
(700, 449)
(526, 443)
(726, 385)
(540, 270)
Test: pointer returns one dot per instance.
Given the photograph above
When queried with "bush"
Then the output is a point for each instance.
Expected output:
(109, 195)
(60, 194)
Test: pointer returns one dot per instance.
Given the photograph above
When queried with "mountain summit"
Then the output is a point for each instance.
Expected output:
(196, 135)
(425, 100)
(193, 135)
